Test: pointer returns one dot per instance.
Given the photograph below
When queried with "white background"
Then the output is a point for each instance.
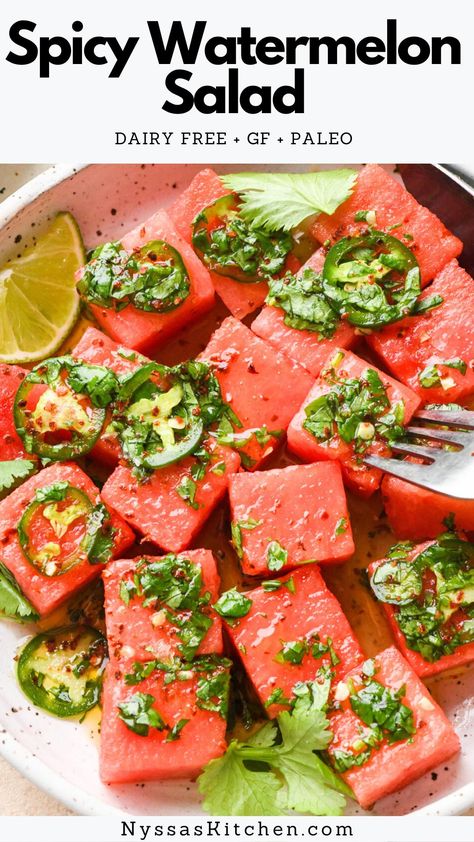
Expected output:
(400, 112)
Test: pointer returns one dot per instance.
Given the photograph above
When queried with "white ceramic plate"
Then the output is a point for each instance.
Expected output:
(61, 756)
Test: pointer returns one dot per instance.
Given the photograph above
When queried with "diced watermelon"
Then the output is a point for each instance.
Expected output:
(416, 513)
(358, 476)
(432, 244)
(391, 767)
(144, 331)
(144, 631)
(47, 592)
(156, 509)
(11, 446)
(127, 757)
(306, 347)
(301, 610)
(96, 348)
(302, 507)
(463, 654)
(205, 188)
(262, 386)
(443, 334)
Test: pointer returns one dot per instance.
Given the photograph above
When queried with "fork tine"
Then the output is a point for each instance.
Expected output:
(404, 470)
(453, 418)
(450, 436)
(416, 449)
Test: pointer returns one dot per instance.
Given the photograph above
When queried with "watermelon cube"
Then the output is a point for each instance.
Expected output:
(416, 350)
(263, 387)
(156, 509)
(46, 592)
(188, 727)
(145, 331)
(416, 513)
(431, 626)
(96, 348)
(305, 347)
(240, 298)
(376, 190)
(140, 623)
(370, 757)
(294, 626)
(11, 446)
(302, 509)
(345, 366)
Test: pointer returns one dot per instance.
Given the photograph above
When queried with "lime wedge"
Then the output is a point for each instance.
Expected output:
(39, 303)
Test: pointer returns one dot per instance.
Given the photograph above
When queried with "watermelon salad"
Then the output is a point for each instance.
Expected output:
(178, 489)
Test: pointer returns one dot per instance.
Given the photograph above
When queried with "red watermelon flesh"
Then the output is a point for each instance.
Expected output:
(155, 508)
(416, 513)
(241, 299)
(144, 331)
(127, 757)
(419, 229)
(306, 612)
(96, 348)
(391, 767)
(303, 507)
(303, 346)
(48, 592)
(358, 476)
(263, 387)
(143, 632)
(444, 333)
(11, 446)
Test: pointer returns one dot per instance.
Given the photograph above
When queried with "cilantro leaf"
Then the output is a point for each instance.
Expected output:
(13, 473)
(303, 302)
(230, 788)
(278, 771)
(233, 604)
(139, 715)
(100, 535)
(96, 381)
(277, 556)
(281, 201)
(13, 604)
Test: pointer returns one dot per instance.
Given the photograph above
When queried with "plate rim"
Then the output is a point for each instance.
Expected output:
(11, 749)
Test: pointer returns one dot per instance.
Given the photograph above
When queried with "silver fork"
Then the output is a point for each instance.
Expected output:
(448, 472)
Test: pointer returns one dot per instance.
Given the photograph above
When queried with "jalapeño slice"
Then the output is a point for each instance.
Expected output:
(53, 531)
(230, 246)
(151, 278)
(160, 423)
(53, 420)
(61, 670)
(373, 280)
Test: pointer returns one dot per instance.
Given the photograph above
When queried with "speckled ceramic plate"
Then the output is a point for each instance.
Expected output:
(61, 756)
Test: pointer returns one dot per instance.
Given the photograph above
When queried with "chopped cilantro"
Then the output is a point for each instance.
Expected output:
(431, 375)
(277, 556)
(233, 604)
(187, 491)
(356, 409)
(434, 620)
(303, 302)
(236, 531)
(139, 716)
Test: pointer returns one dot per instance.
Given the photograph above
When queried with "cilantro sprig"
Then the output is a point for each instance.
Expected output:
(279, 769)
(281, 201)
(13, 473)
(13, 604)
